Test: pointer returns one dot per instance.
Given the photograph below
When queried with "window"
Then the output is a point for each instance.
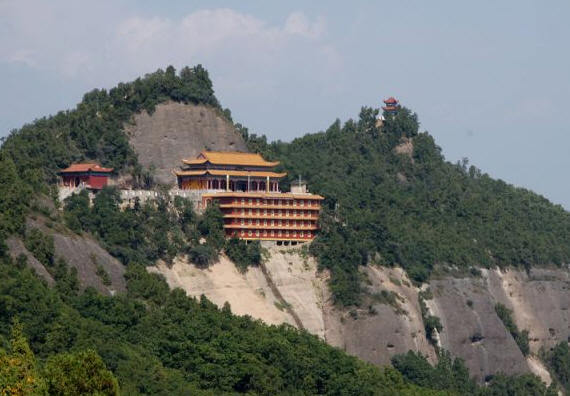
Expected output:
(272, 233)
(286, 233)
(302, 203)
(265, 212)
(257, 222)
(301, 234)
(250, 222)
(287, 213)
(265, 222)
(250, 201)
(280, 233)
(264, 233)
(272, 222)
(242, 222)
(294, 234)
(243, 201)
(249, 233)
(257, 233)
(257, 201)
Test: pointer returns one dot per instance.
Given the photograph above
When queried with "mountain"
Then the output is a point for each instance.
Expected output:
(414, 254)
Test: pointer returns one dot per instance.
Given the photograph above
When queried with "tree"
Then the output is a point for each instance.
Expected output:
(79, 373)
(19, 374)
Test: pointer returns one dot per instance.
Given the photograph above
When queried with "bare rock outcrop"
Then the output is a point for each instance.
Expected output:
(247, 294)
(292, 290)
(16, 247)
(86, 255)
(385, 330)
(175, 131)
(540, 301)
(471, 328)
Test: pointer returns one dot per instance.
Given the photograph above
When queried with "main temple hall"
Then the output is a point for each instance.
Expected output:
(246, 187)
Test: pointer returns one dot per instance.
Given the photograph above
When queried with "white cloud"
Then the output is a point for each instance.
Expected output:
(298, 23)
(70, 40)
(258, 67)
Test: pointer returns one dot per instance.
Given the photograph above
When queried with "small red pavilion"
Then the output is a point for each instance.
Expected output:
(391, 105)
(90, 176)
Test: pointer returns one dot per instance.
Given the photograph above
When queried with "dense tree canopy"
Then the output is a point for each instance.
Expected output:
(392, 199)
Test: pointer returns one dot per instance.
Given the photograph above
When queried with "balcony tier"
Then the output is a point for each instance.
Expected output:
(271, 227)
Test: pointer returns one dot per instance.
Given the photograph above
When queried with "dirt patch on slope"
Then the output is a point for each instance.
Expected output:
(406, 147)
(175, 131)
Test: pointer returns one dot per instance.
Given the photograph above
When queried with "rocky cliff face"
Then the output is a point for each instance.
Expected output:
(80, 252)
(466, 307)
(175, 131)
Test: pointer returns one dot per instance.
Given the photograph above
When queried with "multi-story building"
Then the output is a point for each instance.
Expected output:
(247, 190)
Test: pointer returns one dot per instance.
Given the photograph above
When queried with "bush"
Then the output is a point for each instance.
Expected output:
(202, 255)
(558, 360)
(520, 337)
(243, 254)
(41, 246)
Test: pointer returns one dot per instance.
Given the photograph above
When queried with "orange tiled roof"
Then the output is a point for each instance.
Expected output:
(230, 158)
(215, 172)
(391, 100)
(86, 167)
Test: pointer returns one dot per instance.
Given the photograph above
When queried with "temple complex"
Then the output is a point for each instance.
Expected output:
(86, 175)
(247, 190)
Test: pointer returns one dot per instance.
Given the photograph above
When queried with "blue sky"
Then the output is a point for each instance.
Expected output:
(490, 80)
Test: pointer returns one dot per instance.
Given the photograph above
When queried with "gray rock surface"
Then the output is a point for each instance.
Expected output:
(85, 254)
(175, 131)
(16, 247)
(476, 334)
(389, 330)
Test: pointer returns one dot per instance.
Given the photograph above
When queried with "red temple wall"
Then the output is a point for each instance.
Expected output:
(91, 181)
(97, 181)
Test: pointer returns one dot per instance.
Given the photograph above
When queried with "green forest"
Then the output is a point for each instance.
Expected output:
(395, 207)
(410, 209)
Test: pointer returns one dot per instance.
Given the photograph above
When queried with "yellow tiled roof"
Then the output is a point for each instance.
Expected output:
(230, 158)
(215, 172)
